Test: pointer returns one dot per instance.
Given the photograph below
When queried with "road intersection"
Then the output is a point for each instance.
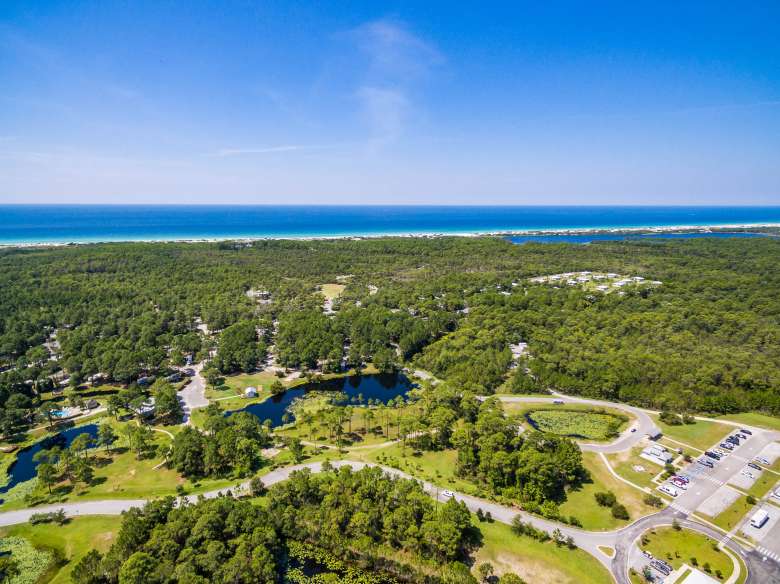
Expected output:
(621, 540)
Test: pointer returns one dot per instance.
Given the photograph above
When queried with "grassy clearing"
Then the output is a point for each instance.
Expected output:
(591, 424)
(754, 419)
(74, 539)
(541, 563)
(682, 547)
(332, 291)
(435, 467)
(701, 435)
(623, 463)
(581, 503)
(732, 515)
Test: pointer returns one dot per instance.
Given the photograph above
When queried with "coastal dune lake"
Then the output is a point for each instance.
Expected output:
(591, 237)
(382, 387)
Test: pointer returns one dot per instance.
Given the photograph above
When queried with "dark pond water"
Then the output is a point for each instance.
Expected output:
(382, 387)
(591, 237)
(25, 468)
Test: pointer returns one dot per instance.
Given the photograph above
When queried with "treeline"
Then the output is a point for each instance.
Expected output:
(707, 339)
(351, 524)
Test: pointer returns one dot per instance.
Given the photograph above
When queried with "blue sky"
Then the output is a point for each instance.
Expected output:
(394, 102)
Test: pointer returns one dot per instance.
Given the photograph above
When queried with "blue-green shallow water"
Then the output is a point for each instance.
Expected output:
(89, 223)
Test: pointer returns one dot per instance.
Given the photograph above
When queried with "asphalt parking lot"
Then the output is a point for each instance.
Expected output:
(706, 482)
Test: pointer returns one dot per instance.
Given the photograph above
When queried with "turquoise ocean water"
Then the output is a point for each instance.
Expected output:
(20, 224)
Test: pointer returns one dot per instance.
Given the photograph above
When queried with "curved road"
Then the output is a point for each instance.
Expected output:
(621, 540)
(643, 425)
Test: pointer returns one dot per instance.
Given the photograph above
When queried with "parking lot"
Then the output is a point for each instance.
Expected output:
(706, 492)
(763, 534)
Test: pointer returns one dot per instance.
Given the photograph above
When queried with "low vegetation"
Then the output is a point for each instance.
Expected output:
(594, 424)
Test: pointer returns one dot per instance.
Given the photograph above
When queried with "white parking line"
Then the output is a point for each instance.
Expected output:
(768, 553)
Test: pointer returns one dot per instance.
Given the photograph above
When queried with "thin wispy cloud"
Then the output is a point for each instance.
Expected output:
(397, 61)
(227, 152)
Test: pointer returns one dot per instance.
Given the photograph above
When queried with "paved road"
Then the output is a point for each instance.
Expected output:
(194, 394)
(644, 423)
(621, 540)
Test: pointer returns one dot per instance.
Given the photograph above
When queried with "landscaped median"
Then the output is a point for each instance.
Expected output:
(682, 546)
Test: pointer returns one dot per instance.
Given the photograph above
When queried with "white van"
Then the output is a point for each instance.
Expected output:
(669, 490)
(759, 518)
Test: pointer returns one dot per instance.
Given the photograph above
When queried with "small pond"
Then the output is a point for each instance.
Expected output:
(382, 387)
(25, 468)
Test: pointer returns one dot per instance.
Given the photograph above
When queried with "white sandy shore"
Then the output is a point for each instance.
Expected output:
(502, 233)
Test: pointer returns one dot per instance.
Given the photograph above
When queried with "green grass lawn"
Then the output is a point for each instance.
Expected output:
(763, 484)
(540, 563)
(701, 435)
(678, 547)
(732, 515)
(623, 464)
(76, 538)
(754, 419)
(435, 467)
(581, 502)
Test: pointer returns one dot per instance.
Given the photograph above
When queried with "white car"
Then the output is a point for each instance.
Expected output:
(448, 494)
(747, 474)
(761, 459)
(669, 490)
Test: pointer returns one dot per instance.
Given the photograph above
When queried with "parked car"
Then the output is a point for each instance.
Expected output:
(679, 483)
(733, 440)
(754, 465)
(705, 462)
(712, 454)
(669, 490)
(727, 445)
(720, 451)
(747, 474)
(448, 494)
(744, 431)
(648, 555)
(761, 459)
(741, 436)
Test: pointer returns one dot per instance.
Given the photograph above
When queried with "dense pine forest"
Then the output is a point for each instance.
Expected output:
(707, 338)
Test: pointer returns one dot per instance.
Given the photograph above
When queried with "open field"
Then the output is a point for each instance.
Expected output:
(332, 291)
(582, 504)
(679, 547)
(541, 563)
(74, 539)
(700, 435)
(436, 467)
(754, 419)
(623, 463)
